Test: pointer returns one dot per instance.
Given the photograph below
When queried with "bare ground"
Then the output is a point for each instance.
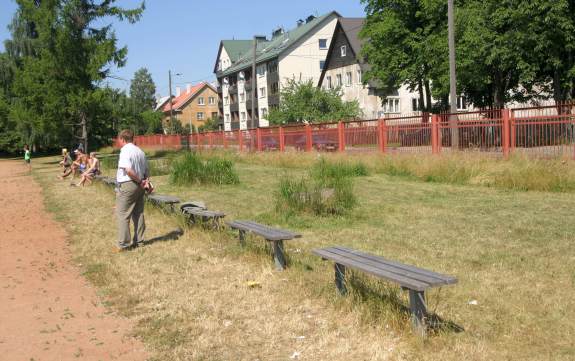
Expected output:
(47, 309)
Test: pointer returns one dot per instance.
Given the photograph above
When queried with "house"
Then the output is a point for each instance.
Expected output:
(192, 107)
(344, 68)
(160, 102)
(297, 54)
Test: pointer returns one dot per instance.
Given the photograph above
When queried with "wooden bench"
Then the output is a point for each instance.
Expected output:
(198, 214)
(163, 200)
(106, 180)
(415, 280)
(274, 235)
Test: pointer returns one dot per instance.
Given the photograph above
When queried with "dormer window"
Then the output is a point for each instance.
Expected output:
(343, 50)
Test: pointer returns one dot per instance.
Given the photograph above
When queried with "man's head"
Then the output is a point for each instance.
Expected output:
(126, 136)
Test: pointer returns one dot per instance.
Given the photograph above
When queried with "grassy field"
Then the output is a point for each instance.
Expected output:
(512, 251)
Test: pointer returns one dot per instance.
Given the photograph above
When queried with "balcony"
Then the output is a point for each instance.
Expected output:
(273, 77)
(235, 107)
(233, 89)
(248, 85)
(249, 103)
(235, 125)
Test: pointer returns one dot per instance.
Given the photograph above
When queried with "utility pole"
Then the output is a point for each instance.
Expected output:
(253, 95)
(452, 77)
(170, 99)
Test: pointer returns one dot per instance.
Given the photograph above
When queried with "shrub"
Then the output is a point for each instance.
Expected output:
(192, 168)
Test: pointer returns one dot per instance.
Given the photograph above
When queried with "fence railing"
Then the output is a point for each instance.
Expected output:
(547, 131)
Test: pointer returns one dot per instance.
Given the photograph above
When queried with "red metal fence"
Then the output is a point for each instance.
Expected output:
(547, 131)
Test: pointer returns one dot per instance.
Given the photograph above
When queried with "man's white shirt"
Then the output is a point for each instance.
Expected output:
(131, 157)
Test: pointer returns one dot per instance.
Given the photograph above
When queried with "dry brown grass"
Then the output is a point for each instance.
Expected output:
(512, 252)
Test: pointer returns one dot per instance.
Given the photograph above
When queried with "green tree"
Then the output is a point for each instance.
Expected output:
(56, 89)
(406, 44)
(304, 102)
(153, 121)
(142, 91)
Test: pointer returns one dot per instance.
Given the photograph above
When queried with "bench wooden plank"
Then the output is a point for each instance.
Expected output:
(203, 212)
(163, 198)
(350, 262)
(446, 279)
(271, 234)
(395, 267)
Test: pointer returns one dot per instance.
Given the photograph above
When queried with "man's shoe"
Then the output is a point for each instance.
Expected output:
(121, 249)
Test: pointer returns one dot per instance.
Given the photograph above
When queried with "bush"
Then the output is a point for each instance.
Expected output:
(327, 191)
(191, 168)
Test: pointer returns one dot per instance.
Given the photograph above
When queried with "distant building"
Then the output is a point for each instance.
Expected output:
(297, 54)
(194, 106)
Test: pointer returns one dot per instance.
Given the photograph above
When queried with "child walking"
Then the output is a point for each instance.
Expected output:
(27, 156)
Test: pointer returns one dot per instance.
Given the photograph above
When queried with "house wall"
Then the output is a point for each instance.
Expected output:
(303, 60)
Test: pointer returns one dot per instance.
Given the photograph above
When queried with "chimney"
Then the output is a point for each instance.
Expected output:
(178, 91)
(300, 23)
(188, 88)
(309, 18)
(277, 32)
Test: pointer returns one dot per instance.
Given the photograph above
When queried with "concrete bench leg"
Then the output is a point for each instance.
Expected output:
(242, 238)
(418, 311)
(279, 257)
(340, 278)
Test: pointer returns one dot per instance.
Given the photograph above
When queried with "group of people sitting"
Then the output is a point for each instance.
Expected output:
(86, 166)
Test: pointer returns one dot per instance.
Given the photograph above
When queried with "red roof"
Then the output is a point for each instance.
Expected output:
(179, 101)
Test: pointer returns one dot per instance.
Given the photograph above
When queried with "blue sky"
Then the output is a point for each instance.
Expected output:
(183, 35)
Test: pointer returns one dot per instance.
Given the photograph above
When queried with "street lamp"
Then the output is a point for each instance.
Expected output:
(170, 100)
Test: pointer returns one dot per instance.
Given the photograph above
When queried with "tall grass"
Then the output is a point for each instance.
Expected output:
(328, 190)
(324, 169)
(191, 168)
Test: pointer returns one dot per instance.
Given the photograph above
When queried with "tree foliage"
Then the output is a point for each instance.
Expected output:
(58, 55)
(303, 102)
(142, 91)
(506, 50)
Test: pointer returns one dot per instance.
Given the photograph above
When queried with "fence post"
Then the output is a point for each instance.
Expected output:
(224, 139)
(282, 139)
(382, 135)
(199, 140)
(259, 139)
(512, 131)
(308, 138)
(240, 140)
(341, 136)
(435, 134)
(505, 132)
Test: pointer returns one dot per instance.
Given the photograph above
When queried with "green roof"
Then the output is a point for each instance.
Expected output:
(235, 48)
(270, 49)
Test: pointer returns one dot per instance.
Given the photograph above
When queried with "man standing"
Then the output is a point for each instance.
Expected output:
(132, 180)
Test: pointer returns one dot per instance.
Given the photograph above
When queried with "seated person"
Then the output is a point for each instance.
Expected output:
(93, 169)
(69, 165)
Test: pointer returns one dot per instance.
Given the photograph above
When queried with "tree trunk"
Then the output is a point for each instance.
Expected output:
(428, 104)
(421, 96)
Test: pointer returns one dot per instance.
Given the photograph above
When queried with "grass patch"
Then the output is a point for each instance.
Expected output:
(325, 169)
(193, 168)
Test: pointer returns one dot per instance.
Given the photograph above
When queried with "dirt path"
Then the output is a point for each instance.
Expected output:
(47, 310)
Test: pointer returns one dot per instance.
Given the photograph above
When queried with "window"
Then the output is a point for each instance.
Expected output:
(243, 116)
(201, 101)
(343, 50)
(226, 100)
(391, 105)
(264, 112)
(262, 92)
(461, 103)
(338, 81)
(275, 88)
(328, 81)
(261, 70)
(359, 76)
(211, 100)
(273, 67)
(348, 78)
(323, 44)
(415, 106)
(321, 64)
(200, 115)
(242, 97)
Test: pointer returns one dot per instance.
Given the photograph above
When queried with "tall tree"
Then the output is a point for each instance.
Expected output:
(143, 91)
(404, 41)
(55, 90)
